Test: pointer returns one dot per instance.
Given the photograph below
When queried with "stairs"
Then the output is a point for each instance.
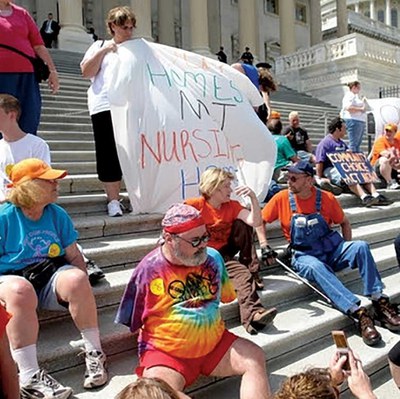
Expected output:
(300, 336)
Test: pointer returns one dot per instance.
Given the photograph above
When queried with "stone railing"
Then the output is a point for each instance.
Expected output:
(333, 50)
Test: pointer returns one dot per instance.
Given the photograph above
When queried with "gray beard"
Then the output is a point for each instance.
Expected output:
(197, 259)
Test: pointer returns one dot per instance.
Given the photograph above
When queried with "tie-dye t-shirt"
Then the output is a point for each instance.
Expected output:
(176, 308)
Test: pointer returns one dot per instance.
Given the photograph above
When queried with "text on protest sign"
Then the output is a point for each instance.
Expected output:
(354, 167)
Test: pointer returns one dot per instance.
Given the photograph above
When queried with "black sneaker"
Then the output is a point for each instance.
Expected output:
(384, 200)
(94, 272)
(369, 200)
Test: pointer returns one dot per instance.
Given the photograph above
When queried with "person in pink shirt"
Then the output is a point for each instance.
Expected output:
(19, 32)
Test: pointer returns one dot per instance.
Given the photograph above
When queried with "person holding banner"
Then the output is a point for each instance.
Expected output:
(307, 215)
(173, 300)
(354, 114)
(230, 226)
(328, 177)
(386, 156)
(98, 59)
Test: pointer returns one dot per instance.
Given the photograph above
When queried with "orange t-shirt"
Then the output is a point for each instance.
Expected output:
(4, 318)
(382, 144)
(218, 221)
(279, 208)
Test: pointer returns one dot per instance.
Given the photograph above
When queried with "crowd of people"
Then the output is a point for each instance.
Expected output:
(206, 254)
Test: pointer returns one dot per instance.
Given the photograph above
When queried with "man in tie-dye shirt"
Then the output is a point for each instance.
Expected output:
(173, 301)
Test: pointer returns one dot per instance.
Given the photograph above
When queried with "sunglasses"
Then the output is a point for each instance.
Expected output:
(195, 242)
(294, 179)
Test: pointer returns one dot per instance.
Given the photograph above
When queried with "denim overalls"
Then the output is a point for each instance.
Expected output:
(319, 252)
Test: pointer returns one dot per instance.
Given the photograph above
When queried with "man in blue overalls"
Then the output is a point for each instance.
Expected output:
(306, 215)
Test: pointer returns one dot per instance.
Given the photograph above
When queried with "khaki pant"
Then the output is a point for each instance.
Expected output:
(240, 271)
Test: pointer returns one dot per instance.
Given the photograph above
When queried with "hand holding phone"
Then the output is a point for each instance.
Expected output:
(342, 347)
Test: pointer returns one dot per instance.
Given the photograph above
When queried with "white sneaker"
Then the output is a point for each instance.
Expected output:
(114, 208)
(393, 185)
(96, 373)
(42, 385)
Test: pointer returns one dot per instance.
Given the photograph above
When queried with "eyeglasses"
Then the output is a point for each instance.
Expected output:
(195, 242)
(294, 179)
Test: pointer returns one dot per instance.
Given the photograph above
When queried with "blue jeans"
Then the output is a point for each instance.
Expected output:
(348, 254)
(355, 130)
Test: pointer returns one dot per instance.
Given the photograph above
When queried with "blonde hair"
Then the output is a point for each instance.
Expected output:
(293, 114)
(119, 16)
(149, 388)
(26, 195)
(315, 383)
(212, 179)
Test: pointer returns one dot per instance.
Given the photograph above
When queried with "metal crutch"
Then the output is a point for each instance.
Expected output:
(304, 281)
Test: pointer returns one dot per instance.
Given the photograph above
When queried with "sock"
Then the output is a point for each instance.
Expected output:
(363, 196)
(91, 339)
(354, 309)
(376, 296)
(26, 358)
(375, 194)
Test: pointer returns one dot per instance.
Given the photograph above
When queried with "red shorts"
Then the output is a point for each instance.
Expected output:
(189, 368)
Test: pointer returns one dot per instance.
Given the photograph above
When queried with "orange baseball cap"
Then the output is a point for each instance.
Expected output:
(391, 126)
(33, 168)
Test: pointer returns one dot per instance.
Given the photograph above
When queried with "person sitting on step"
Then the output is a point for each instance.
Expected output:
(173, 300)
(230, 226)
(40, 265)
(298, 138)
(17, 145)
(385, 156)
(306, 215)
(285, 152)
(328, 178)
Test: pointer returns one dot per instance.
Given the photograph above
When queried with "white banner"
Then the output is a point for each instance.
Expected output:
(175, 114)
(385, 110)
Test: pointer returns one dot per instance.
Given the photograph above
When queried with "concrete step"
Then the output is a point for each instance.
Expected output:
(73, 155)
(70, 145)
(75, 127)
(61, 135)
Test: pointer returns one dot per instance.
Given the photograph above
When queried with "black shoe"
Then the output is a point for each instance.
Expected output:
(94, 272)
(384, 200)
(369, 200)
(366, 327)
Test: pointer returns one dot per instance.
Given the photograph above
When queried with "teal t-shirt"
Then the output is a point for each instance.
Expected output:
(284, 151)
(24, 241)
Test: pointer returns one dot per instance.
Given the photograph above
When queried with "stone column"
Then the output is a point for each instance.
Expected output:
(248, 26)
(357, 7)
(287, 27)
(142, 10)
(166, 28)
(372, 10)
(73, 36)
(315, 23)
(341, 15)
(388, 19)
(199, 28)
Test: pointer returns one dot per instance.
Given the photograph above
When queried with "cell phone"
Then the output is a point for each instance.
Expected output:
(340, 340)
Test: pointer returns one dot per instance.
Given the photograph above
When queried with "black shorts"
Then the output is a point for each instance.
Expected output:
(107, 162)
